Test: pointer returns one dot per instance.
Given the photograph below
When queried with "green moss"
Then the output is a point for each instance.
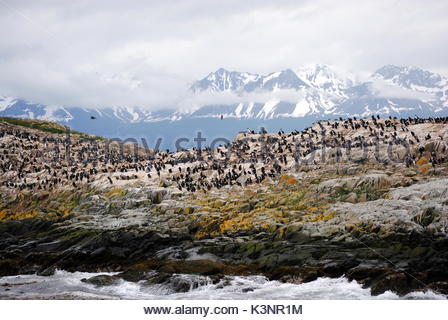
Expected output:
(343, 193)
(79, 234)
(44, 234)
(46, 126)
(250, 247)
(295, 199)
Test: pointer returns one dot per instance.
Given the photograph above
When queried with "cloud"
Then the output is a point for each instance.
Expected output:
(147, 53)
(382, 89)
(194, 101)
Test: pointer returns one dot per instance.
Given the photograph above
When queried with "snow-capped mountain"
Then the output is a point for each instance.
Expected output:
(325, 78)
(411, 77)
(417, 80)
(223, 80)
(314, 90)
(325, 91)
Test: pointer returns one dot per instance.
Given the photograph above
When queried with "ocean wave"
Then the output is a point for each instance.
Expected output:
(67, 285)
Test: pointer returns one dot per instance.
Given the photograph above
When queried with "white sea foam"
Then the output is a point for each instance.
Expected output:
(252, 287)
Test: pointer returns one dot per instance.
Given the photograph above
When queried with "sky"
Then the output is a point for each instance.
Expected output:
(147, 53)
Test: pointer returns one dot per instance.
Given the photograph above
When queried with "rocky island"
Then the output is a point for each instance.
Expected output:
(366, 199)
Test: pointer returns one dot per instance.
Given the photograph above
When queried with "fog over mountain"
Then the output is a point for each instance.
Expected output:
(313, 90)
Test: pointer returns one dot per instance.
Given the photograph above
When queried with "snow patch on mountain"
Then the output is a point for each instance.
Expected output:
(326, 78)
(6, 102)
(315, 89)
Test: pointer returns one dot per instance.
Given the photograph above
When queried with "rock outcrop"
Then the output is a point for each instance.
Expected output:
(385, 226)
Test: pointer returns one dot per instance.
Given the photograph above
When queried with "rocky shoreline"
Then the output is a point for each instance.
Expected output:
(397, 242)
(383, 225)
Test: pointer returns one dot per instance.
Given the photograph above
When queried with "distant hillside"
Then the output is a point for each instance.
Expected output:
(313, 90)
(43, 125)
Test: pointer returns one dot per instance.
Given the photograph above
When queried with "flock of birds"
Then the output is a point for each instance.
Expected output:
(34, 160)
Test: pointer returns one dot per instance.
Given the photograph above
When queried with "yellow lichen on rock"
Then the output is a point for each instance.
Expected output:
(28, 214)
(117, 193)
(322, 216)
(267, 209)
(3, 214)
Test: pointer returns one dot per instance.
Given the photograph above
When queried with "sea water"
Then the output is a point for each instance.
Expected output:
(69, 285)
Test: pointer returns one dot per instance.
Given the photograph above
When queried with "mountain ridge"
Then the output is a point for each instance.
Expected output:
(312, 90)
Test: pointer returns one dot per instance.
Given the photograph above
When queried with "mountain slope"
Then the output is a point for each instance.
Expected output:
(312, 90)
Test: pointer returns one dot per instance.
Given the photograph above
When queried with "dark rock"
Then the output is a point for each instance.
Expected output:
(397, 281)
(157, 278)
(99, 252)
(133, 275)
(202, 267)
(267, 260)
(299, 237)
(247, 207)
(102, 280)
(176, 283)
(290, 259)
(48, 247)
(337, 269)
(180, 284)
(47, 272)
(182, 255)
(394, 281)
(9, 267)
(439, 287)
(296, 274)
(119, 252)
(365, 272)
